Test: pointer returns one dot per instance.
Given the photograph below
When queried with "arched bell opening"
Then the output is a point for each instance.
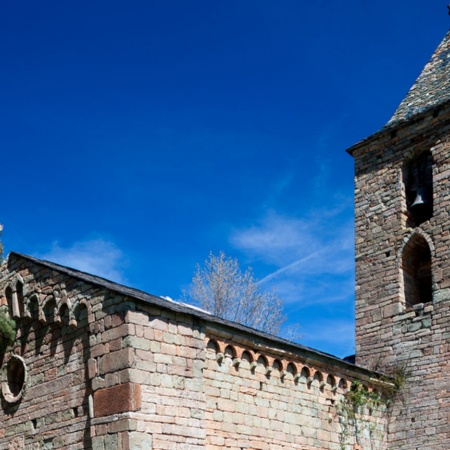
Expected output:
(416, 268)
(418, 180)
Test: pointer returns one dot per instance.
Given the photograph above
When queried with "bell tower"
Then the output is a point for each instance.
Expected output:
(402, 226)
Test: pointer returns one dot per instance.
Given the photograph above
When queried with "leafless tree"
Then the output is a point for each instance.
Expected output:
(221, 288)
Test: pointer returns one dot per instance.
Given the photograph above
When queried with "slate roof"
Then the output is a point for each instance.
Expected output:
(431, 89)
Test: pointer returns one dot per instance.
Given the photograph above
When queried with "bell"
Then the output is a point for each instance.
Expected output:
(421, 198)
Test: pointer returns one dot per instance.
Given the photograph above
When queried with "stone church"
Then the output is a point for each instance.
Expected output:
(97, 365)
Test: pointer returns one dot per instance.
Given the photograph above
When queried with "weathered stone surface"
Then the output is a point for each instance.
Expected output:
(151, 378)
(117, 399)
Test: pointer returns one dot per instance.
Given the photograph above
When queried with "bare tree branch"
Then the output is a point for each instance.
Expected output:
(223, 289)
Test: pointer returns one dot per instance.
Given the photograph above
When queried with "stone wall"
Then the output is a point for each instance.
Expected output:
(100, 374)
(53, 338)
(390, 333)
(169, 360)
(262, 396)
(109, 370)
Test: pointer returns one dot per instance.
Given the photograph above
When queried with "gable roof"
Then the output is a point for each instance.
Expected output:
(431, 89)
(141, 296)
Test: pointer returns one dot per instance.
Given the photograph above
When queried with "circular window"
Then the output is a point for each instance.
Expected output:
(14, 377)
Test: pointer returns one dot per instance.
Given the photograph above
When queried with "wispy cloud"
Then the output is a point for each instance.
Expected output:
(312, 258)
(274, 239)
(292, 266)
(96, 256)
(309, 262)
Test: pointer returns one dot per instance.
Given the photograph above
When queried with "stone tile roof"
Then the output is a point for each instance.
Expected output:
(431, 88)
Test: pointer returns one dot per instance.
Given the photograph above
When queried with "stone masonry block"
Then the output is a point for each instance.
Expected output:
(137, 441)
(136, 317)
(117, 399)
(392, 310)
(115, 361)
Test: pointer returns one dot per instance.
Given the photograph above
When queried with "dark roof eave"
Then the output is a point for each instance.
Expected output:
(397, 125)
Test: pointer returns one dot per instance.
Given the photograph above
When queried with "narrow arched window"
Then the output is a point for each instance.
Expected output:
(9, 299)
(418, 178)
(416, 266)
(20, 299)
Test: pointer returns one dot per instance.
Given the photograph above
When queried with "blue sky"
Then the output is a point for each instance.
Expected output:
(139, 136)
